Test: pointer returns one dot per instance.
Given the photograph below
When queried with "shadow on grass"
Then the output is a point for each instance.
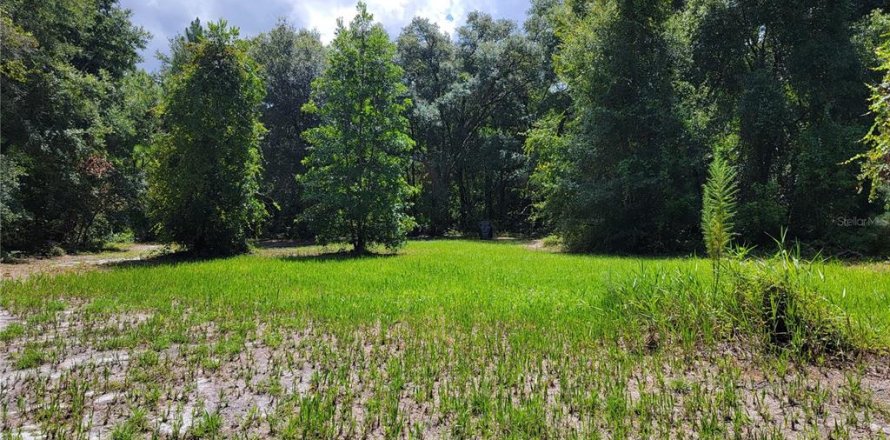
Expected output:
(338, 256)
(166, 259)
(181, 257)
(282, 243)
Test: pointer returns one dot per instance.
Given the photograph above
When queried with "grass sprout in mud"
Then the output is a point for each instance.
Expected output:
(447, 339)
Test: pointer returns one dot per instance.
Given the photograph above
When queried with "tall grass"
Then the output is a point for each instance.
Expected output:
(446, 339)
(718, 211)
(471, 284)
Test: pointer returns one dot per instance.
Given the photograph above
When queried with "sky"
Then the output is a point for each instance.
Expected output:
(167, 18)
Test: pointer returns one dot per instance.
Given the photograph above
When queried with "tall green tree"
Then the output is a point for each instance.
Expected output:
(552, 107)
(627, 177)
(66, 126)
(205, 166)
(355, 181)
(472, 101)
(490, 110)
(788, 80)
(429, 60)
(180, 49)
(541, 25)
(291, 60)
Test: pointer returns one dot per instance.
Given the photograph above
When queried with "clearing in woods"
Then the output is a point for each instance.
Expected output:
(444, 339)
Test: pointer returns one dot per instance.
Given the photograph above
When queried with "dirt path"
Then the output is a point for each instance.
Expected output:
(30, 266)
(536, 245)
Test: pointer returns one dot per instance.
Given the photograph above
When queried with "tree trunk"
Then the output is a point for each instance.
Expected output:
(359, 247)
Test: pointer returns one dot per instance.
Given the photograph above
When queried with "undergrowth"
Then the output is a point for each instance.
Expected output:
(776, 303)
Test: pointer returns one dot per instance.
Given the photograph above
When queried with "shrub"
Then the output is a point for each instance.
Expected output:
(718, 212)
(778, 305)
(718, 208)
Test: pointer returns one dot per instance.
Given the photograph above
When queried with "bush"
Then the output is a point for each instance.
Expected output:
(768, 304)
(778, 306)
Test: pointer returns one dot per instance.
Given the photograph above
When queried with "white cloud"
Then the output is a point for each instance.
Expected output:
(167, 18)
(393, 14)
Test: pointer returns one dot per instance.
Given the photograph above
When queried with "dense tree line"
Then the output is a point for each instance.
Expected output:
(74, 109)
(778, 88)
(292, 60)
(472, 98)
(627, 169)
(596, 120)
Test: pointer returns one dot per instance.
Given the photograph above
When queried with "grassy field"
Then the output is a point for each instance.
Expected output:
(444, 339)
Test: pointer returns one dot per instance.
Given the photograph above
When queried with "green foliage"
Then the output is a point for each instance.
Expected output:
(66, 122)
(472, 102)
(777, 303)
(718, 207)
(136, 120)
(787, 79)
(429, 60)
(544, 146)
(205, 166)
(592, 124)
(876, 161)
(291, 60)
(630, 174)
(14, 216)
(868, 34)
(181, 47)
(541, 25)
(355, 179)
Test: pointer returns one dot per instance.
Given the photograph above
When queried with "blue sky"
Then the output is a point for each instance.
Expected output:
(166, 18)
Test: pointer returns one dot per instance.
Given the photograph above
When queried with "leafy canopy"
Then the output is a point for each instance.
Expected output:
(291, 60)
(68, 126)
(876, 161)
(355, 182)
(623, 177)
(204, 176)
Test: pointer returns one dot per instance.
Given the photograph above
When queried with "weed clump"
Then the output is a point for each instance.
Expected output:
(778, 305)
(771, 304)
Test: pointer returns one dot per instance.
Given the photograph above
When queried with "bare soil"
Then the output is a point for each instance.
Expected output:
(27, 267)
(176, 387)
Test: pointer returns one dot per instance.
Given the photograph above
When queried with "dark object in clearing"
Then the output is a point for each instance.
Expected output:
(486, 230)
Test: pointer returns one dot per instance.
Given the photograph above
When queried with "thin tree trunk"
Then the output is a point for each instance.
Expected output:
(359, 247)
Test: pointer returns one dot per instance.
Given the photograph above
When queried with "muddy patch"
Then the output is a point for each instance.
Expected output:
(218, 378)
(28, 267)
(6, 319)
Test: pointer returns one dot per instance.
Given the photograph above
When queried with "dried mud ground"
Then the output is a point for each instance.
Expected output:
(73, 367)
(26, 267)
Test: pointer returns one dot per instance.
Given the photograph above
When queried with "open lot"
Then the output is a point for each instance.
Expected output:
(444, 339)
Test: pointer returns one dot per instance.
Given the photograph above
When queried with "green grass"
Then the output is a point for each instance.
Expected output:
(11, 332)
(451, 282)
(447, 338)
(861, 292)
(446, 283)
